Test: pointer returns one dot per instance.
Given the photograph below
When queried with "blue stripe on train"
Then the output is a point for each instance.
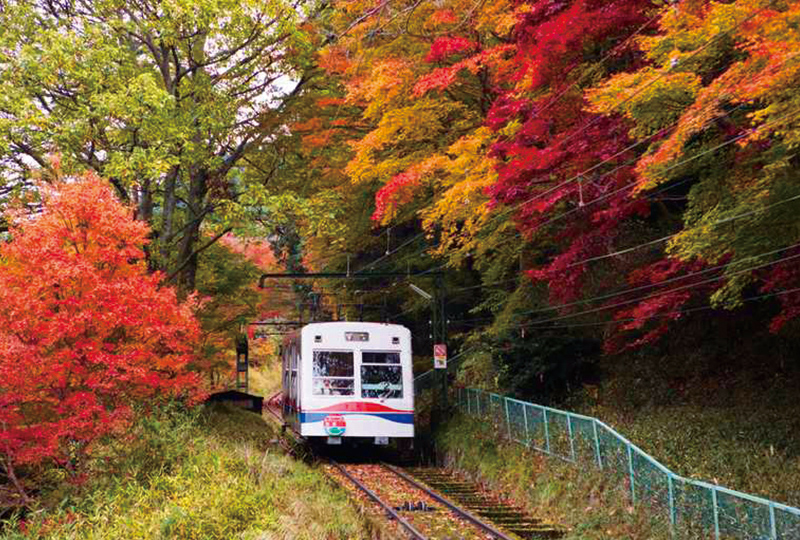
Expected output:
(401, 418)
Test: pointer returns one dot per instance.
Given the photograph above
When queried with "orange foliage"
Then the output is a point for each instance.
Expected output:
(85, 331)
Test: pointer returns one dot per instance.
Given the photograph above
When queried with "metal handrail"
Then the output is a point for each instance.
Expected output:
(745, 516)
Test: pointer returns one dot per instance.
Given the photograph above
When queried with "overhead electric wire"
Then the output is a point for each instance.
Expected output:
(391, 252)
(673, 166)
(537, 113)
(409, 310)
(583, 173)
(552, 102)
(652, 295)
(621, 152)
(606, 195)
(647, 244)
(667, 187)
(613, 107)
(659, 315)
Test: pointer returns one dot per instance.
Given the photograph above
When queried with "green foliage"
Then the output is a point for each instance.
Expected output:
(165, 99)
(226, 282)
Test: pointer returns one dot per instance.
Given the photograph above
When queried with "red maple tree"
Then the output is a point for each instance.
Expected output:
(86, 333)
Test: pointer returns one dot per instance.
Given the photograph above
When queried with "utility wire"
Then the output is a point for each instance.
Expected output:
(661, 315)
(673, 166)
(617, 105)
(621, 152)
(626, 186)
(583, 173)
(540, 111)
(391, 252)
(652, 295)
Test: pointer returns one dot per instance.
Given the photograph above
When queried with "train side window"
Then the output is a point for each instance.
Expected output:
(381, 375)
(334, 373)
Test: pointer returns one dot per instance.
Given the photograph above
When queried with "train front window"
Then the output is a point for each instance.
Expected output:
(334, 373)
(381, 375)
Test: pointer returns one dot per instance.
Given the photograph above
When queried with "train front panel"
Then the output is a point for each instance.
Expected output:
(356, 381)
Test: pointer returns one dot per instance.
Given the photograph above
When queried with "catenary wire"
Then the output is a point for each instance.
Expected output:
(652, 295)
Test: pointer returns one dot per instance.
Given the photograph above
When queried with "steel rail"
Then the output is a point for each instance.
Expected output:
(450, 504)
(389, 510)
(271, 410)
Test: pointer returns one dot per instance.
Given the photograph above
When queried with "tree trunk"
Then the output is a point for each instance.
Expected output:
(167, 219)
(187, 257)
(146, 202)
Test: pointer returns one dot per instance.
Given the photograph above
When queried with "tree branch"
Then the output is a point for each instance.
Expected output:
(199, 250)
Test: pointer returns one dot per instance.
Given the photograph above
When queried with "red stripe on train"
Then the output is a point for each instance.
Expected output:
(358, 406)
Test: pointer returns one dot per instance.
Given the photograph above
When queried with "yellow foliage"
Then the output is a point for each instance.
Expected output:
(416, 129)
(462, 209)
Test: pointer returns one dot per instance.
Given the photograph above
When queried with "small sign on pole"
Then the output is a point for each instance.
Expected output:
(440, 356)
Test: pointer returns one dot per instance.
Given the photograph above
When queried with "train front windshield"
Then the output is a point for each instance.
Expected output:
(380, 372)
(381, 375)
(334, 374)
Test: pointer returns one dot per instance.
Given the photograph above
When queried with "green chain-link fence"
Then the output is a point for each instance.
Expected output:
(708, 510)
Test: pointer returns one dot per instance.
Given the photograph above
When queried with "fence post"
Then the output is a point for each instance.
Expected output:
(508, 419)
(597, 445)
(546, 431)
(773, 527)
(716, 512)
(630, 471)
(671, 486)
(525, 417)
(571, 440)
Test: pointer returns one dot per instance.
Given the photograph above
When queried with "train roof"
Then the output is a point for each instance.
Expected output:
(333, 325)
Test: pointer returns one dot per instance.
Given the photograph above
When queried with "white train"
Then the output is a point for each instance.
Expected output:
(349, 381)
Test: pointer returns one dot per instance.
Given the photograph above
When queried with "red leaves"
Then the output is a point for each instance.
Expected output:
(442, 78)
(443, 16)
(661, 292)
(444, 47)
(783, 277)
(85, 331)
(396, 192)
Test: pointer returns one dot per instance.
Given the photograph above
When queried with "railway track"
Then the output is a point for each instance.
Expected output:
(425, 506)
(432, 503)
(486, 505)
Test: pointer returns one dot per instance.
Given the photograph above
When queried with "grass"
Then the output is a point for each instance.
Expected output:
(736, 427)
(207, 474)
(266, 380)
(588, 504)
(711, 403)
